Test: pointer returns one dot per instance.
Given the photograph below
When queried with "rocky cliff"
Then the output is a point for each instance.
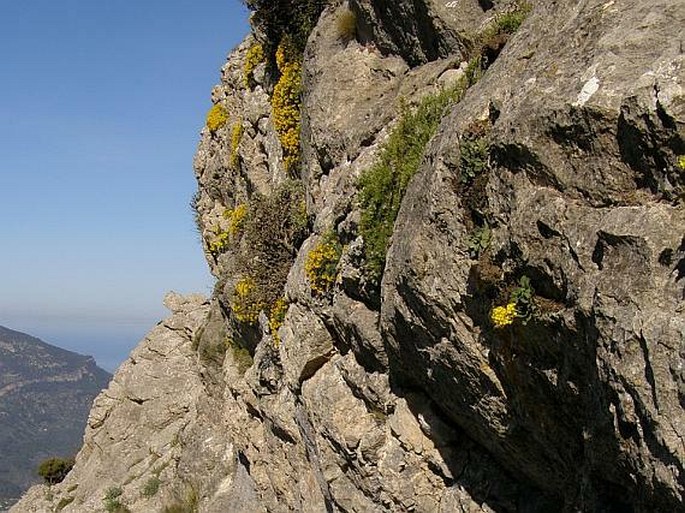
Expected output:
(45, 395)
(449, 243)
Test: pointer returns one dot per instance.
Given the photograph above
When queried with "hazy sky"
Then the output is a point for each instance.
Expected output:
(101, 104)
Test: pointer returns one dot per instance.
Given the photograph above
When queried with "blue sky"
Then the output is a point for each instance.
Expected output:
(101, 105)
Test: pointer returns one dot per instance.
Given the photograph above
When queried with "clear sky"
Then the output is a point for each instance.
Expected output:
(101, 105)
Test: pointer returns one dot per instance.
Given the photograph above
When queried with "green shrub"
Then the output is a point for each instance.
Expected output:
(321, 265)
(382, 187)
(522, 297)
(151, 487)
(346, 25)
(197, 217)
(54, 470)
(189, 504)
(112, 501)
(279, 18)
(496, 34)
(479, 241)
(509, 22)
(216, 117)
(273, 229)
(473, 157)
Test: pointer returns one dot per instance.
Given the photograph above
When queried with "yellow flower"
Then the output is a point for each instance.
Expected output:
(322, 263)
(285, 106)
(276, 318)
(236, 219)
(503, 315)
(216, 117)
(245, 305)
(253, 58)
(219, 243)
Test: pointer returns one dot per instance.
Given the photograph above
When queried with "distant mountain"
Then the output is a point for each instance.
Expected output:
(45, 396)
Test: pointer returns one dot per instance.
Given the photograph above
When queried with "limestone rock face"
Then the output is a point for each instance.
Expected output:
(134, 430)
(555, 185)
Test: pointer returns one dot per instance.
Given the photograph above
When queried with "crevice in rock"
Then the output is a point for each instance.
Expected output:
(281, 433)
(649, 371)
(309, 438)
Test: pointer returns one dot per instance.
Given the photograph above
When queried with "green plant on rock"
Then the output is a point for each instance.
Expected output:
(188, 504)
(522, 296)
(273, 230)
(276, 19)
(681, 162)
(112, 501)
(54, 470)
(253, 58)
(151, 487)
(382, 186)
(509, 22)
(473, 157)
(236, 136)
(521, 306)
(285, 106)
(491, 40)
(321, 265)
(216, 117)
(479, 241)
(195, 208)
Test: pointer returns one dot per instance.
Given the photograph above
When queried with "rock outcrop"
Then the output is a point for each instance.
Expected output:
(520, 348)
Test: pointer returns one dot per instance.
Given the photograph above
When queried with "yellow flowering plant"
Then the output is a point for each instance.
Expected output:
(276, 318)
(216, 117)
(502, 316)
(520, 306)
(245, 304)
(321, 266)
(236, 136)
(253, 58)
(285, 106)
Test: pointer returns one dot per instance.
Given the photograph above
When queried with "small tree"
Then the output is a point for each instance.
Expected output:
(54, 470)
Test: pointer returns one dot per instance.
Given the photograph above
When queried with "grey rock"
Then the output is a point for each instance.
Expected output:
(590, 380)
